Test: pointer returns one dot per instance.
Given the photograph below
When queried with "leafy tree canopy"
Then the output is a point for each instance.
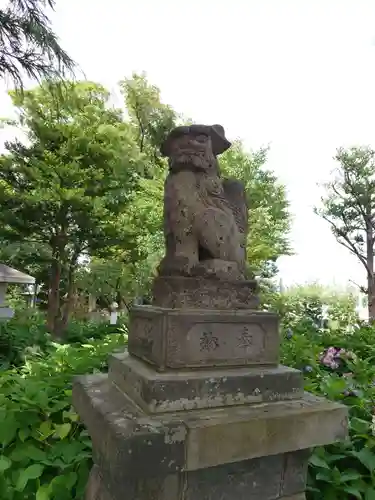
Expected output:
(28, 44)
(269, 218)
(69, 186)
(88, 181)
(349, 207)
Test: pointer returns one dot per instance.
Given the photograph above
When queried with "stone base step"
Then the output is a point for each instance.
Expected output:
(157, 392)
(127, 438)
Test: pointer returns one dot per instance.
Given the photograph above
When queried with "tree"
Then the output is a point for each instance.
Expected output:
(69, 185)
(65, 138)
(322, 306)
(151, 120)
(28, 44)
(32, 257)
(121, 278)
(349, 208)
(269, 217)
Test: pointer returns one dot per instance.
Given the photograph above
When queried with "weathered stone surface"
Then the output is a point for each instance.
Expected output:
(171, 488)
(178, 292)
(158, 392)
(299, 496)
(225, 435)
(201, 409)
(295, 473)
(259, 479)
(205, 219)
(95, 489)
(123, 435)
(170, 338)
(135, 443)
(148, 487)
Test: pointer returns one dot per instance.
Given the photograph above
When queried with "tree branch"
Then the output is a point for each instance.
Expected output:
(361, 288)
(348, 244)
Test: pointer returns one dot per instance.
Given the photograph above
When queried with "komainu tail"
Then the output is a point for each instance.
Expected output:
(235, 194)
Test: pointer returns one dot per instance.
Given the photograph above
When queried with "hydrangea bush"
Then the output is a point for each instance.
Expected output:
(45, 453)
(339, 366)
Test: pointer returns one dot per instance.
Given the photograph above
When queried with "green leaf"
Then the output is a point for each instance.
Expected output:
(335, 458)
(5, 463)
(350, 476)
(370, 494)
(71, 415)
(318, 462)
(359, 425)
(353, 491)
(24, 433)
(366, 457)
(8, 429)
(32, 472)
(61, 431)
(43, 493)
(45, 430)
(64, 482)
(324, 475)
(27, 452)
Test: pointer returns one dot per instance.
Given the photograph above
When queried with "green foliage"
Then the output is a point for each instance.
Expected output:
(314, 304)
(151, 119)
(337, 358)
(25, 332)
(17, 296)
(31, 256)
(349, 208)
(28, 43)
(344, 470)
(26, 335)
(44, 449)
(123, 276)
(84, 195)
(68, 190)
(45, 453)
(269, 217)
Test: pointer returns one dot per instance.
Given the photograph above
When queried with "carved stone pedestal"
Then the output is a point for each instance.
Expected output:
(200, 409)
(257, 451)
(203, 338)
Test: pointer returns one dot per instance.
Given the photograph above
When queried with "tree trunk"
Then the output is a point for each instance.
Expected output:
(53, 296)
(371, 298)
(370, 265)
(66, 305)
(67, 309)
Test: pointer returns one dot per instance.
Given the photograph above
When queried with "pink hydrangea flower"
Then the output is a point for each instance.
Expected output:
(331, 357)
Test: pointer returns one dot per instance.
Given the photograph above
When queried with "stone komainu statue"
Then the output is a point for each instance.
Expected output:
(205, 217)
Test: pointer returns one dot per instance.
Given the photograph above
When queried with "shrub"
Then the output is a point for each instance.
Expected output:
(80, 331)
(341, 367)
(45, 452)
(27, 332)
(310, 305)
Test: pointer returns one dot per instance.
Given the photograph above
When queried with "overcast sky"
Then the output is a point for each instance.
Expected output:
(296, 74)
